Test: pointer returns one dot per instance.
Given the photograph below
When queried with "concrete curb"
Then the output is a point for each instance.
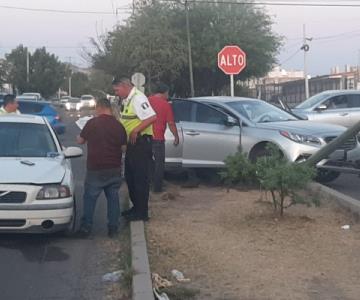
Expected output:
(344, 201)
(141, 283)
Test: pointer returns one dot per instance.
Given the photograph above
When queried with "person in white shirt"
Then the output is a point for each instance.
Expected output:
(137, 117)
(10, 105)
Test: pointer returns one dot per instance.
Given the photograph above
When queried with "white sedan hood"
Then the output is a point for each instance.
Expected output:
(32, 170)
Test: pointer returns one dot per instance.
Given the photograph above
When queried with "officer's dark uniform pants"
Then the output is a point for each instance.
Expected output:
(137, 162)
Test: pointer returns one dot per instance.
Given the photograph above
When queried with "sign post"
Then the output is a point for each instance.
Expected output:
(138, 79)
(231, 60)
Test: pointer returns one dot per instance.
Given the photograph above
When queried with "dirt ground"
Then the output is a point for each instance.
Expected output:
(119, 251)
(232, 246)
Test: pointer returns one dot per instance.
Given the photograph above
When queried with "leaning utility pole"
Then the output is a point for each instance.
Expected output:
(333, 145)
(192, 90)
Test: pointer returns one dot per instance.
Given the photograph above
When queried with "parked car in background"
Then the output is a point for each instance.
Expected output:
(88, 101)
(64, 100)
(37, 96)
(55, 101)
(36, 181)
(211, 128)
(26, 98)
(44, 109)
(73, 104)
(340, 107)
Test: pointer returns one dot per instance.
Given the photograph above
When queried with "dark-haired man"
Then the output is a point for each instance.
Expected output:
(105, 138)
(137, 116)
(165, 116)
(10, 105)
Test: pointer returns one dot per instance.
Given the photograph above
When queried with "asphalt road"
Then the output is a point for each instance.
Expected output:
(348, 184)
(55, 266)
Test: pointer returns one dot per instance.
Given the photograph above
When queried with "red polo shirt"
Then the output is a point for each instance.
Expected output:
(164, 115)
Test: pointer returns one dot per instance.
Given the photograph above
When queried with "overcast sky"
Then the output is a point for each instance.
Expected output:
(336, 31)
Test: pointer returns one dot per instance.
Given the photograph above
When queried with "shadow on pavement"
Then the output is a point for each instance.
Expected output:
(35, 247)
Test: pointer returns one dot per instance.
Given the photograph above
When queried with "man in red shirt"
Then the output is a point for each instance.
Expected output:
(165, 116)
(105, 138)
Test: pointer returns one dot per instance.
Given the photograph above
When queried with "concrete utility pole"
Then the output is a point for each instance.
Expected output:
(192, 90)
(358, 71)
(70, 76)
(27, 65)
(306, 48)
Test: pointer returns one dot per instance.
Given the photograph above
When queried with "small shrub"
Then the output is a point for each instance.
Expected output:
(238, 170)
(275, 174)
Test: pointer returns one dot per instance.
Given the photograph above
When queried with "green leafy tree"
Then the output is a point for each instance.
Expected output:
(4, 71)
(46, 74)
(16, 60)
(100, 83)
(80, 84)
(148, 43)
(154, 42)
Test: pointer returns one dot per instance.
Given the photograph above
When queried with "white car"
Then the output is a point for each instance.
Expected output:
(36, 180)
(37, 96)
(88, 101)
(73, 104)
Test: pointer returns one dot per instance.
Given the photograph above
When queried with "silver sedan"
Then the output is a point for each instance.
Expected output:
(211, 128)
(340, 107)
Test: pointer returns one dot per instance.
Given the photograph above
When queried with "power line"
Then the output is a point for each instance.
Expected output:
(279, 3)
(290, 57)
(63, 11)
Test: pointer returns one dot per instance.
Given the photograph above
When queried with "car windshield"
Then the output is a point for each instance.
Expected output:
(316, 99)
(260, 111)
(86, 97)
(25, 140)
(74, 100)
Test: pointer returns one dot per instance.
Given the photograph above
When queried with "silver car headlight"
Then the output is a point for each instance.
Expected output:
(301, 138)
(53, 192)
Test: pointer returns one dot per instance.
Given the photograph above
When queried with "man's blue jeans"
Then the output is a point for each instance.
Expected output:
(109, 181)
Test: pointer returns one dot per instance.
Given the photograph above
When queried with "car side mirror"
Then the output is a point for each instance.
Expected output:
(73, 152)
(230, 121)
(321, 108)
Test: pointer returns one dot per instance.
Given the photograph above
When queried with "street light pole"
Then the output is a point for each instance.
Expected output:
(70, 76)
(70, 85)
(27, 65)
(192, 90)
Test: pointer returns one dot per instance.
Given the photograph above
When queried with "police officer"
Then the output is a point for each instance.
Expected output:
(10, 105)
(137, 116)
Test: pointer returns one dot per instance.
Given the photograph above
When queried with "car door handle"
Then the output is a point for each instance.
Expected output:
(192, 133)
(344, 114)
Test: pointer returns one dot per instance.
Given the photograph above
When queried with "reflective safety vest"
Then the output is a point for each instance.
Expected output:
(130, 120)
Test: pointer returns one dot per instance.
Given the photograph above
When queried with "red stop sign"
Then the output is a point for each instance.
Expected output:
(231, 60)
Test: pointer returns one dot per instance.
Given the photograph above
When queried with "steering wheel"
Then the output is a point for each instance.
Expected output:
(265, 117)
